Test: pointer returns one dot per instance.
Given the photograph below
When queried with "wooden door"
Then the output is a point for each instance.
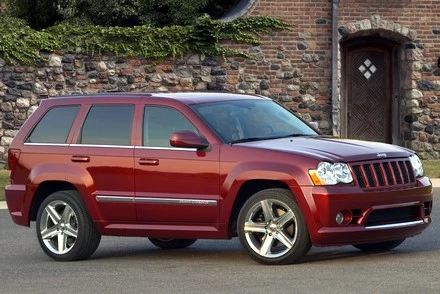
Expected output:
(369, 91)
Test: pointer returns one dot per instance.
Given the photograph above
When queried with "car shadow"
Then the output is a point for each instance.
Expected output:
(215, 251)
(227, 251)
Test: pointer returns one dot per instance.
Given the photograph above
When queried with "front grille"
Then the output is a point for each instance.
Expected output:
(393, 215)
(383, 173)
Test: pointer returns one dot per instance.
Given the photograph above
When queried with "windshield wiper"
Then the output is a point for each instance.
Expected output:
(292, 135)
(251, 139)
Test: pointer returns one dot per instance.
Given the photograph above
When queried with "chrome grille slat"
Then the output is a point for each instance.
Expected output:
(369, 174)
(396, 172)
(387, 168)
(379, 175)
(410, 171)
(404, 172)
(383, 173)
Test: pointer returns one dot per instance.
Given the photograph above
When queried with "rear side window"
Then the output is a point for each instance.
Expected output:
(107, 125)
(55, 125)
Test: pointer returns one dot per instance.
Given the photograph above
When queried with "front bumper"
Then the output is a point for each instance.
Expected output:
(374, 215)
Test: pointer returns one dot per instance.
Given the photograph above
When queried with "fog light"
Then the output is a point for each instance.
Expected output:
(339, 218)
(344, 217)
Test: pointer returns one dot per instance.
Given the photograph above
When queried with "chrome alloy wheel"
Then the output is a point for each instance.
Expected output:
(59, 227)
(270, 228)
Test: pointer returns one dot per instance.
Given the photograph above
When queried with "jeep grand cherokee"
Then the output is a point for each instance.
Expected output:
(178, 167)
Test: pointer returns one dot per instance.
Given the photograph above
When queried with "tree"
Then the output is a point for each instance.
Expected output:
(44, 13)
(38, 14)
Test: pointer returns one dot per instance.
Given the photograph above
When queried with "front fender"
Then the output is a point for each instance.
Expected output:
(234, 179)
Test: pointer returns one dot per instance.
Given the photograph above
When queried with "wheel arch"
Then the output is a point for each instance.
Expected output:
(245, 192)
(49, 178)
(45, 189)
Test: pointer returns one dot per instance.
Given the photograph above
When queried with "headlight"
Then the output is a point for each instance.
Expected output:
(416, 165)
(331, 174)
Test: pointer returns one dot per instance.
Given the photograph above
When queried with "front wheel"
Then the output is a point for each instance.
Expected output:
(171, 243)
(64, 228)
(272, 229)
(378, 247)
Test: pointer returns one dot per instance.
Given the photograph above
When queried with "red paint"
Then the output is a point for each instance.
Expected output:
(186, 193)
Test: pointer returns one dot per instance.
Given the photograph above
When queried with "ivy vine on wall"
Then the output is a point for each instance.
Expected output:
(20, 43)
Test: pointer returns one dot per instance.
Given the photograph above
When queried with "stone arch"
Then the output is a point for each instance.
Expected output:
(409, 69)
(241, 8)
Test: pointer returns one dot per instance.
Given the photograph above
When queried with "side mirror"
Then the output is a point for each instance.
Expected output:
(187, 139)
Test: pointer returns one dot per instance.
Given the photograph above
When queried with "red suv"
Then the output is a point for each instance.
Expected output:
(176, 167)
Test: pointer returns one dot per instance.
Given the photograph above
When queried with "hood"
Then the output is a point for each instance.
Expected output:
(332, 149)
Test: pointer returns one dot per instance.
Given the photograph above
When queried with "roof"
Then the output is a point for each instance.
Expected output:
(205, 97)
(184, 97)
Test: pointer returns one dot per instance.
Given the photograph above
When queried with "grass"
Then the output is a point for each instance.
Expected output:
(431, 168)
(4, 180)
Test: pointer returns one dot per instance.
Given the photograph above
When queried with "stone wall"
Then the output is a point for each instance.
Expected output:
(22, 87)
(293, 67)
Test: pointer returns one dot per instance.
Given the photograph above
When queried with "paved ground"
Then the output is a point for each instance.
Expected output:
(133, 265)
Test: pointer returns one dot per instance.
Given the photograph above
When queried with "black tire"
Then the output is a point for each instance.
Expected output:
(63, 217)
(171, 243)
(283, 224)
(378, 247)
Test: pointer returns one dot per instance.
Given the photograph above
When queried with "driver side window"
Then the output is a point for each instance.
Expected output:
(160, 123)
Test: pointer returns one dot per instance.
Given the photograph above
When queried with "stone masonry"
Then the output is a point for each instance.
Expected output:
(22, 87)
(292, 67)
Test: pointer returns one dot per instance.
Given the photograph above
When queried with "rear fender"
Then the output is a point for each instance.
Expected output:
(78, 177)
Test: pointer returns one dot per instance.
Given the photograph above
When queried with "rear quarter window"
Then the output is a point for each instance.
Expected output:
(55, 125)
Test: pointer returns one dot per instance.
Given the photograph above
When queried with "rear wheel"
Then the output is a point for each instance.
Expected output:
(171, 243)
(64, 228)
(377, 247)
(272, 229)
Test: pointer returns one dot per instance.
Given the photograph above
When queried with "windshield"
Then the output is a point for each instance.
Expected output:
(251, 120)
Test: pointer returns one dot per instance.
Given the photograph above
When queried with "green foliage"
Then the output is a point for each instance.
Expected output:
(18, 42)
(183, 12)
(45, 13)
(4, 180)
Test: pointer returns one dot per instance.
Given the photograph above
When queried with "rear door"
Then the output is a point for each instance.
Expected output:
(102, 154)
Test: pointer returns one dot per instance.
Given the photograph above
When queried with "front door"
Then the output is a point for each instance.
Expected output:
(369, 90)
(174, 185)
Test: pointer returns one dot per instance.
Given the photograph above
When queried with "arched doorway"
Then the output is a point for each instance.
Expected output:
(371, 82)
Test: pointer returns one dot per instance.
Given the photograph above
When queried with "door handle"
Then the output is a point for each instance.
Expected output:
(80, 159)
(148, 161)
